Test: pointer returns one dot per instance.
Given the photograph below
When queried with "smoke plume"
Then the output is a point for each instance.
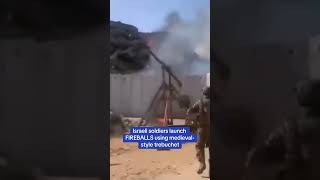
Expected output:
(203, 47)
(186, 49)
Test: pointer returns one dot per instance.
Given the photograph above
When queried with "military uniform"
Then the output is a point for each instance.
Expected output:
(116, 120)
(283, 149)
(202, 108)
(295, 145)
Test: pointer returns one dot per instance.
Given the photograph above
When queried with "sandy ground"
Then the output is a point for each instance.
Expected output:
(127, 162)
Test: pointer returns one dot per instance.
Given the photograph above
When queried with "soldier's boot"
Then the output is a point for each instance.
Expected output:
(201, 158)
(200, 146)
(202, 167)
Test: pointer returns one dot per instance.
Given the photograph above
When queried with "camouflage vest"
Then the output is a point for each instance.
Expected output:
(204, 112)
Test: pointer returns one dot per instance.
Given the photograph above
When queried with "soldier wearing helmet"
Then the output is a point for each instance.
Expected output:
(202, 109)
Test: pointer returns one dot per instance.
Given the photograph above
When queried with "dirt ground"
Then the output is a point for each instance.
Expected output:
(127, 162)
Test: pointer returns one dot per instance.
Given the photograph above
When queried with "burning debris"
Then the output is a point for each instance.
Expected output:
(128, 53)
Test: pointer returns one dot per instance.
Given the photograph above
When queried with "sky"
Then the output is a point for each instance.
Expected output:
(149, 15)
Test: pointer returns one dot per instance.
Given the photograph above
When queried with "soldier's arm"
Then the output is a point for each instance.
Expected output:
(194, 109)
(270, 150)
(276, 138)
(192, 113)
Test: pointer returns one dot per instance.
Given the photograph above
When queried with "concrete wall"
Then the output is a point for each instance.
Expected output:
(132, 94)
(52, 112)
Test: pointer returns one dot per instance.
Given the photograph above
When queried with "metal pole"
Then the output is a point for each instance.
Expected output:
(164, 95)
(170, 101)
(164, 66)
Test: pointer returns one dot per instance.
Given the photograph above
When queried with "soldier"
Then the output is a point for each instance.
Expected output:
(202, 109)
(283, 149)
(297, 139)
(185, 103)
(116, 120)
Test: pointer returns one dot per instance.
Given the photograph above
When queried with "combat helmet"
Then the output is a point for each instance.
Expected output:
(206, 91)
